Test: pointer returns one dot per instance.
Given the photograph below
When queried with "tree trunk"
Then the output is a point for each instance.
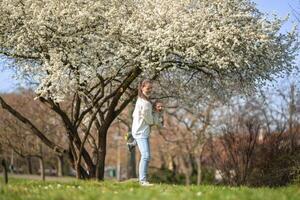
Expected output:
(131, 155)
(42, 168)
(76, 160)
(118, 158)
(90, 172)
(171, 165)
(162, 159)
(199, 171)
(81, 172)
(78, 172)
(187, 178)
(102, 154)
(60, 165)
(131, 164)
(187, 171)
(3, 163)
(292, 110)
(12, 165)
(29, 165)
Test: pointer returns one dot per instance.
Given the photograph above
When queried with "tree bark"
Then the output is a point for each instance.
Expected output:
(29, 165)
(4, 165)
(199, 171)
(131, 155)
(102, 154)
(187, 170)
(42, 168)
(101, 164)
(187, 178)
(78, 172)
(118, 158)
(131, 165)
(60, 165)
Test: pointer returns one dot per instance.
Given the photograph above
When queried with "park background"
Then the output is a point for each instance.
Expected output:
(250, 141)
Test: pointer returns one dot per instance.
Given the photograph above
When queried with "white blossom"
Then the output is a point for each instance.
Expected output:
(70, 42)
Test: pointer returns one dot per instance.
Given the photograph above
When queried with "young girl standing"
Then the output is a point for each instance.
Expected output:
(143, 117)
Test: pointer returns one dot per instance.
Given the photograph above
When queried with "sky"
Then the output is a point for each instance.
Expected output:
(283, 8)
(280, 7)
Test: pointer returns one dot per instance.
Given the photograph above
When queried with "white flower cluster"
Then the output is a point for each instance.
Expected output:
(77, 41)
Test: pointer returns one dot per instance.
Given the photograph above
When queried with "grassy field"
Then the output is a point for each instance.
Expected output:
(22, 189)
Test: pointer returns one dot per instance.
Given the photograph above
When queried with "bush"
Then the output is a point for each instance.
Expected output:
(157, 175)
(208, 176)
(279, 170)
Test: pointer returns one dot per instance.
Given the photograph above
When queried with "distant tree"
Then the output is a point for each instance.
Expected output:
(19, 138)
(259, 140)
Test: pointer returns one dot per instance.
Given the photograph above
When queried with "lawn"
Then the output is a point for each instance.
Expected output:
(23, 189)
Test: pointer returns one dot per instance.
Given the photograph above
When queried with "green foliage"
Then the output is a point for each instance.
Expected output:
(279, 170)
(208, 176)
(167, 176)
(295, 171)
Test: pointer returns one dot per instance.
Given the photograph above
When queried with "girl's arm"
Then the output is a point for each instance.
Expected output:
(147, 114)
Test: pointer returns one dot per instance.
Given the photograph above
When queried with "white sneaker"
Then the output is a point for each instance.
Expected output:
(146, 183)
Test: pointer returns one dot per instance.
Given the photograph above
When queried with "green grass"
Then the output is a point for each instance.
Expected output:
(21, 189)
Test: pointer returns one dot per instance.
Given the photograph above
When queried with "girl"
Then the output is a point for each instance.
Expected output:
(143, 118)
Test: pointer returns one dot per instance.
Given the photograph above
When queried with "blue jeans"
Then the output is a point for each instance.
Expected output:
(144, 147)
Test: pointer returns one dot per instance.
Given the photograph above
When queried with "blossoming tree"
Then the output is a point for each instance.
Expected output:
(92, 53)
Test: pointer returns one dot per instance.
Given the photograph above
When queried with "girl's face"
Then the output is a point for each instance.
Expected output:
(159, 106)
(147, 89)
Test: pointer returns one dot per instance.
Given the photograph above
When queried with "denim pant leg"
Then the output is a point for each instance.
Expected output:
(144, 147)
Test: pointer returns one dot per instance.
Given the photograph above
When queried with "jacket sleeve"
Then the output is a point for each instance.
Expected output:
(147, 114)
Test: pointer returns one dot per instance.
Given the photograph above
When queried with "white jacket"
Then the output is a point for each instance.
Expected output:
(143, 118)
